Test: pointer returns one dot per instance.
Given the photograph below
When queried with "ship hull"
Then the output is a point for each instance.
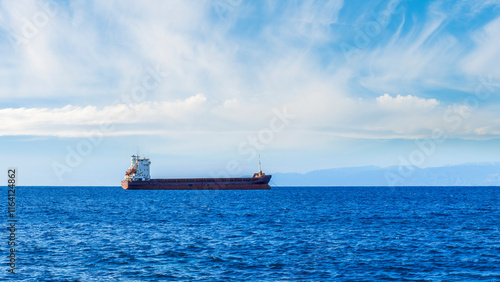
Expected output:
(243, 183)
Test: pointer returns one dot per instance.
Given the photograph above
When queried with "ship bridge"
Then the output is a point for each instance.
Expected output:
(139, 169)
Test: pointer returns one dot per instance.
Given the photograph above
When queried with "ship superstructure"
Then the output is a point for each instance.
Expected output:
(139, 169)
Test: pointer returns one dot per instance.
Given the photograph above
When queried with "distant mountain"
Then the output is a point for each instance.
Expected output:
(485, 174)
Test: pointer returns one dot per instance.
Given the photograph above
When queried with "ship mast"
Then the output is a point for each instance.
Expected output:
(260, 170)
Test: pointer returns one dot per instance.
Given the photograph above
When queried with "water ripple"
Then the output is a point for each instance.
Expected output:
(312, 234)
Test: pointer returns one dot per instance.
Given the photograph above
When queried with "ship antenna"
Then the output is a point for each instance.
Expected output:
(260, 170)
(138, 151)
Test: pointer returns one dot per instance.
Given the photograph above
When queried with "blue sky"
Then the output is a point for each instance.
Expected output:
(202, 87)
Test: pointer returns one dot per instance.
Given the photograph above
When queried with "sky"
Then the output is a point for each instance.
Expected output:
(204, 87)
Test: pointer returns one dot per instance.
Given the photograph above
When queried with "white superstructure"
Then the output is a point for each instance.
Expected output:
(139, 169)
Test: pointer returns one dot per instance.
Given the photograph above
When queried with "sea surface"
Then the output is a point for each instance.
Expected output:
(284, 234)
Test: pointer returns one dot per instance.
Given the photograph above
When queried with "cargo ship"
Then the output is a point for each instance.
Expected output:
(138, 177)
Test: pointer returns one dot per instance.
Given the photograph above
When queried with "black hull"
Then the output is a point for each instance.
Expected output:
(241, 183)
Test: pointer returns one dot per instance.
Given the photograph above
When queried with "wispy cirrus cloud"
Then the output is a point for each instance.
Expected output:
(255, 58)
(485, 56)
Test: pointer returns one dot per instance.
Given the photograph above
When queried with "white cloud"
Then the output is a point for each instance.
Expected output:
(408, 102)
(95, 51)
(74, 121)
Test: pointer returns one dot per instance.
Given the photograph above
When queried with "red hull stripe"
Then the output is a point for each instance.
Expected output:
(197, 187)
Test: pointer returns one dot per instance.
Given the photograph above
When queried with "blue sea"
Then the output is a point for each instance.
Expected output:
(284, 234)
